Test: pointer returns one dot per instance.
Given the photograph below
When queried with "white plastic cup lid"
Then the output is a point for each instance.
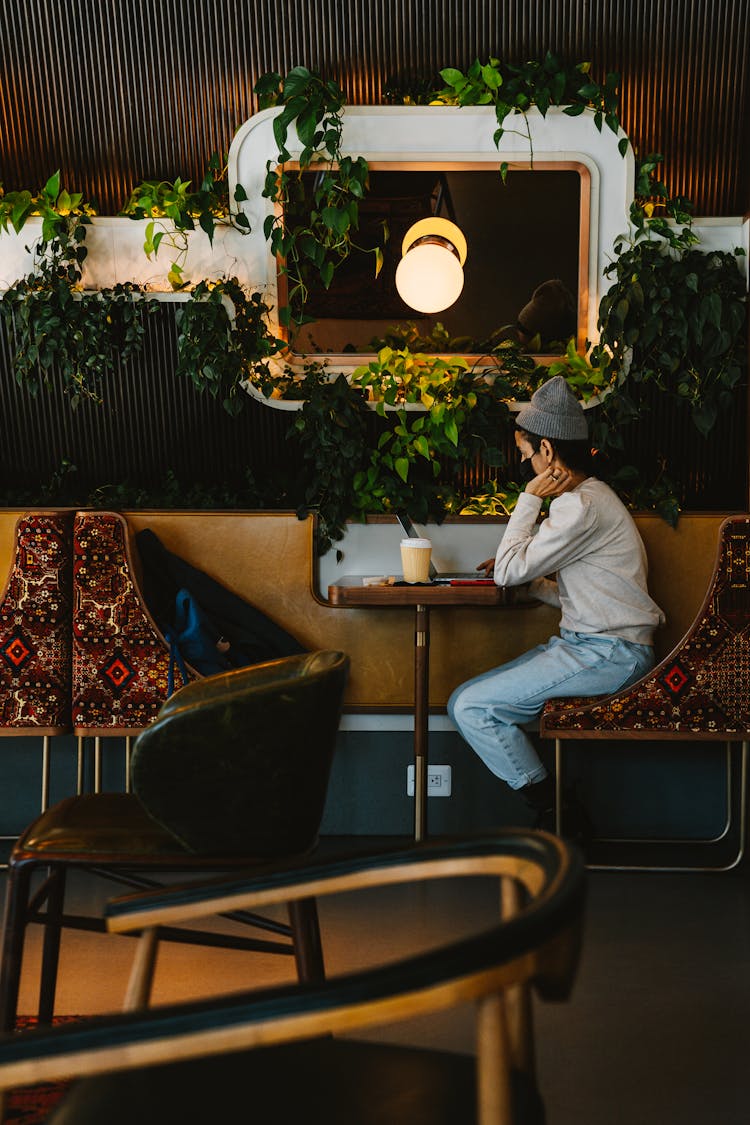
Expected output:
(416, 542)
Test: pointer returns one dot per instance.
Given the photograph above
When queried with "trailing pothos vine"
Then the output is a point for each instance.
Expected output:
(311, 232)
(174, 209)
(675, 315)
(514, 89)
(53, 323)
(224, 339)
(672, 321)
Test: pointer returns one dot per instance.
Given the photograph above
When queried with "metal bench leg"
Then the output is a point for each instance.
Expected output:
(45, 772)
(742, 818)
(558, 786)
(743, 806)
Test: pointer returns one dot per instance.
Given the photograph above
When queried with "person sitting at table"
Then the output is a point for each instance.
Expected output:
(590, 542)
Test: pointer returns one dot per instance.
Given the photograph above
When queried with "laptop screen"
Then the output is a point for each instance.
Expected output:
(411, 532)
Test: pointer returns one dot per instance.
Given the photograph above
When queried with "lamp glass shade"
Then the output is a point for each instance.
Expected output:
(429, 278)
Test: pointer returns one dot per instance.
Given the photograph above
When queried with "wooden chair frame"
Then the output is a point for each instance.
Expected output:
(535, 943)
(124, 838)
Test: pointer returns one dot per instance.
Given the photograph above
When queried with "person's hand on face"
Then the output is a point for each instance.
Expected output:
(552, 478)
(550, 482)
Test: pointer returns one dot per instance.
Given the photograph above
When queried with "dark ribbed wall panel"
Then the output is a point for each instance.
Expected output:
(114, 91)
(151, 422)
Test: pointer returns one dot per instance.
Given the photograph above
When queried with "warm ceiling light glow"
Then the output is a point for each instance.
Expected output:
(430, 275)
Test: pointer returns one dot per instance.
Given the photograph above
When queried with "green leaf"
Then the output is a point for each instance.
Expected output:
(492, 77)
(21, 212)
(326, 273)
(52, 187)
(454, 78)
(401, 465)
(422, 447)
(280, 128)
(174, 277)
(296, 82)
(208, 224)
(704, 416)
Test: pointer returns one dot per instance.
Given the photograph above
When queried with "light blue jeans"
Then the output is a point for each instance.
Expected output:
(490, 710)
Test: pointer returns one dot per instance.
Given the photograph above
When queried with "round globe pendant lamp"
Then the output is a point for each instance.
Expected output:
(430, 275)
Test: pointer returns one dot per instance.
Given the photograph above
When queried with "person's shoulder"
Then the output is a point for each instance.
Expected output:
(595, 491)
(605, 500)
(579, 506)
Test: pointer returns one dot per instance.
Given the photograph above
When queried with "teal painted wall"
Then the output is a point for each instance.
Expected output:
(648, 788)
(630, 788)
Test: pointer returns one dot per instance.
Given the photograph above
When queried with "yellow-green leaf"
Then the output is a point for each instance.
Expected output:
(401, 465)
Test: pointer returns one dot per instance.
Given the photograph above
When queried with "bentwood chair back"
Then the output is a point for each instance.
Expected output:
(287, 1054)
(233, 773)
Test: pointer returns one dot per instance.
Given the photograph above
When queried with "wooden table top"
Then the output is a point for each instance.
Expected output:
(349, 591)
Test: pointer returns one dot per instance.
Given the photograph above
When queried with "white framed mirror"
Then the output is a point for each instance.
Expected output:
(456, 146)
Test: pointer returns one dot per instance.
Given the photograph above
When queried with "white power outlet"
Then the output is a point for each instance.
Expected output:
(438, 781)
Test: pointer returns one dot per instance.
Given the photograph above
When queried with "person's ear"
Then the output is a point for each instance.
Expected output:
(547, 451)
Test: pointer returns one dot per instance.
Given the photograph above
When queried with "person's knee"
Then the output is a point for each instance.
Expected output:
(468, 710)
(453, 704)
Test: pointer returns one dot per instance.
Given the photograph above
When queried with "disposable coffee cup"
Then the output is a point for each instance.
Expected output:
(415, 559)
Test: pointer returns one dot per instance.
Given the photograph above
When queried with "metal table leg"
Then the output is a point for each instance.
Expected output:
(421, 717)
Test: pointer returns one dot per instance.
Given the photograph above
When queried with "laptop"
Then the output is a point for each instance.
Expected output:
(457, 578)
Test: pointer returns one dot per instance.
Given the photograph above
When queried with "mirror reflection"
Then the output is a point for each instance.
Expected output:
(525, 276)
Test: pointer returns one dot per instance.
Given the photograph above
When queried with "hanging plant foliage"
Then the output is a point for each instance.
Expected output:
(52, 322)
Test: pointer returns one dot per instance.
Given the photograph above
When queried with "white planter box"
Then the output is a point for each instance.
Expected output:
(116, 255)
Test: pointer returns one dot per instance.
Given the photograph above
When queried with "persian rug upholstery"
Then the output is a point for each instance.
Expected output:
(31, 1105)
(35, 641)
(120, 659)
(702, 689)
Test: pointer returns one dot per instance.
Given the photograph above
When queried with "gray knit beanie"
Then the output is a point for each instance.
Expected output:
(554, 412)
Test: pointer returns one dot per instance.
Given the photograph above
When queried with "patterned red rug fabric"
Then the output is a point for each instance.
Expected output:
(32, 1104)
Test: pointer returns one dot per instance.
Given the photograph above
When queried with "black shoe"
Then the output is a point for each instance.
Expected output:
(545, 820)
(541, 795)
(576, 822)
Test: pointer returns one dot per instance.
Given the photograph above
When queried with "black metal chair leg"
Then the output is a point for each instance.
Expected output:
(51, 947)
(308, 949)
(14, 932)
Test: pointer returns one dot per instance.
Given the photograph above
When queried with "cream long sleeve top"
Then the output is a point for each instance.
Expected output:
(590, 540)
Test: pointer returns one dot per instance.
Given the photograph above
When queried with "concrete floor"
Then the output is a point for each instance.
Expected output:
(653, 1035)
